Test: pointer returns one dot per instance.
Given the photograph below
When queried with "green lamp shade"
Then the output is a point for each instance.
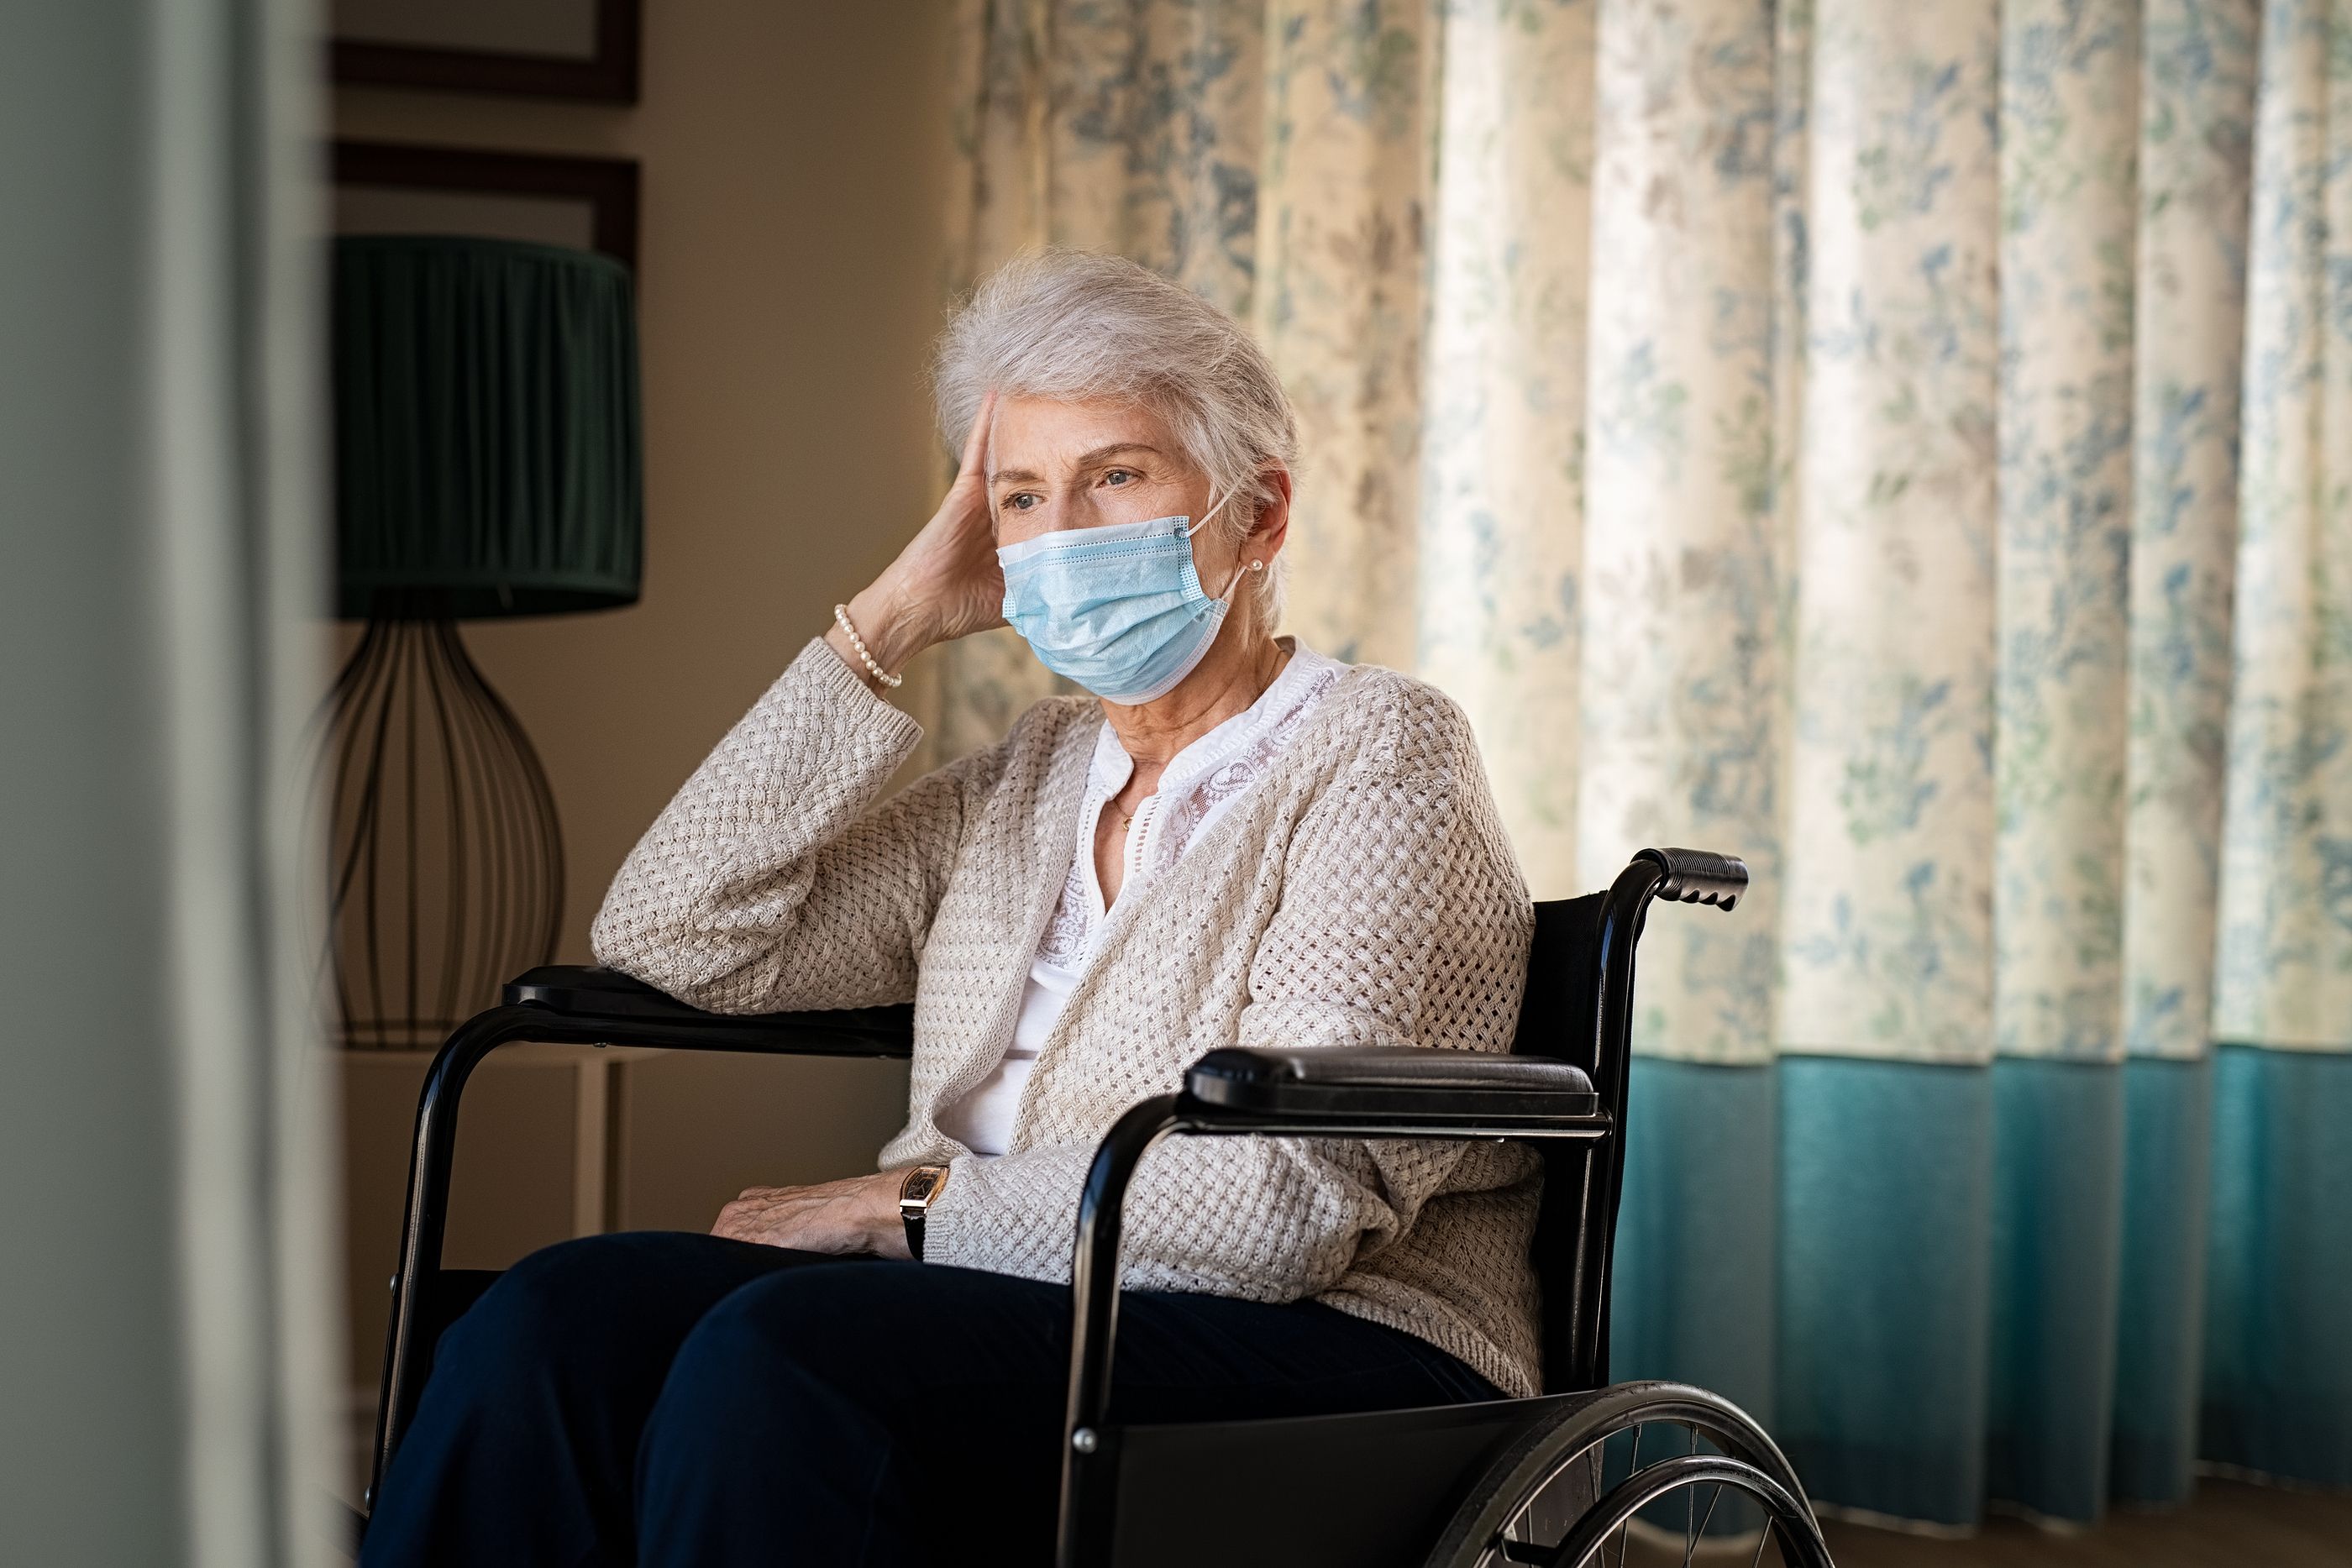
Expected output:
(487, 445)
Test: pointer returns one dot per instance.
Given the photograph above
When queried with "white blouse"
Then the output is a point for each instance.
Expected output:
(1200, 782)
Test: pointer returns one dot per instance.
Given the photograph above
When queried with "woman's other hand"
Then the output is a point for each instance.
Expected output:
(946, 583)
(859, 1214)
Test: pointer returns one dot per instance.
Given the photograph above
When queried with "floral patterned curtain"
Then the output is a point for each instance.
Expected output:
(1910, 446)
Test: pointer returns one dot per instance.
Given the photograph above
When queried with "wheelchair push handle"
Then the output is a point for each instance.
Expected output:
(1699, 876)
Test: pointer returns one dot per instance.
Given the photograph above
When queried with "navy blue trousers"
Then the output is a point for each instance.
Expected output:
(665, 1398)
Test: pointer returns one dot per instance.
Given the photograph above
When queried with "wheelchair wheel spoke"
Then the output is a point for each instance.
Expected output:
(1762, 1536)
(1691, 1537)
(1624, 1530)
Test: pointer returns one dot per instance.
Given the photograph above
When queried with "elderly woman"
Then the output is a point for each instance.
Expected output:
(1235, 840)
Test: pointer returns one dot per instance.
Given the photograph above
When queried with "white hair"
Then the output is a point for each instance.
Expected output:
(1077, 326)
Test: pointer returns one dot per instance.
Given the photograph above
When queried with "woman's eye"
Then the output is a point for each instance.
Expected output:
(1118, 477)
(1019, 501)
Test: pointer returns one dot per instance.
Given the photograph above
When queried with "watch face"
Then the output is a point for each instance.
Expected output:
(919, 1185)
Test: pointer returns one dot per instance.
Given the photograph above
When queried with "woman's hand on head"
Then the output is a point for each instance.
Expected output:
(946, 583)
(859, 1214)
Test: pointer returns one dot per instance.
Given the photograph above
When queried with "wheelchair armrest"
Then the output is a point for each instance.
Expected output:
(1358, 1092)
(1360, 1083)
(568, 1005)
(618, 1010)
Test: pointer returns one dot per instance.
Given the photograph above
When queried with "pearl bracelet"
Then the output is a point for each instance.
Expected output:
(841, 618)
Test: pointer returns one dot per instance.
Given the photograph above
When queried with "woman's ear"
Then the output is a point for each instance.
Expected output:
(1271, 524)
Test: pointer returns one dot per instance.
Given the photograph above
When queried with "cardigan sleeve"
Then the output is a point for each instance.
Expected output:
(773, 881)
(1403, 922)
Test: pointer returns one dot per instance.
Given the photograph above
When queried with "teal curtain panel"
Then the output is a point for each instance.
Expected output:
(2277, 1363)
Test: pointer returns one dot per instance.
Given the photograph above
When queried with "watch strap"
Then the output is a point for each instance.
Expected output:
(912, 1208)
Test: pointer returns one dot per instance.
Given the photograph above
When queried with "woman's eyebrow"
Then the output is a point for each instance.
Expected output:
(1089, 459)
(1086, 460)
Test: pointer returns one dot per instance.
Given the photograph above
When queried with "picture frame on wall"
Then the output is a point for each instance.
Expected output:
(384, 187)
(584, 49)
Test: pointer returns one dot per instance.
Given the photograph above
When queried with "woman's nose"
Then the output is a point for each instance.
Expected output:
(1083, 508)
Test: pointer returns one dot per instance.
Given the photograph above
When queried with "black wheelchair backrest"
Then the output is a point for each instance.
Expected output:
(1556, 1013)
(1558, 1019)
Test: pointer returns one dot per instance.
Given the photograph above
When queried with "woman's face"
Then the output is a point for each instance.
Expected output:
(1055, 465)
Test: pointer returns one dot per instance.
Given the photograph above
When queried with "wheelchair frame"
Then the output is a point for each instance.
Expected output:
(1570, 1107)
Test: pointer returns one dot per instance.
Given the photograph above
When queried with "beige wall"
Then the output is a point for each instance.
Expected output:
(794, 163)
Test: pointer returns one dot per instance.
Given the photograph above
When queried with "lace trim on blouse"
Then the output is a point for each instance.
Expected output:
(1200, 782)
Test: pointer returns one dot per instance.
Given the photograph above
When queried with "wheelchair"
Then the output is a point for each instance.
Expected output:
(1652, 1468)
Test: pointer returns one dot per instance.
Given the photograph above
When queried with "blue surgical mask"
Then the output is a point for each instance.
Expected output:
(1117, 608)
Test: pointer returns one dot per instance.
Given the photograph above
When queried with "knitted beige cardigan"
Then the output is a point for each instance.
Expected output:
(1360, 892)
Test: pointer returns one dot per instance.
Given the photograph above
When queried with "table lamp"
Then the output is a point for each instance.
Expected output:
(487, 465)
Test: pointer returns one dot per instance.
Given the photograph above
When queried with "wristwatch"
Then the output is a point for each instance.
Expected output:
(915, 1194)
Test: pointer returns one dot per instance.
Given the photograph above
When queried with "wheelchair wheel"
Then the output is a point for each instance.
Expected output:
(1636, 1474)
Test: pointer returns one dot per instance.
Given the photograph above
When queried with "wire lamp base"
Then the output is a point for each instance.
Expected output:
(445, 859)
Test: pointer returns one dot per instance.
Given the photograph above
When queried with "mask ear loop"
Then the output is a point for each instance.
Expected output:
(1239, 571)
(1212, 512)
